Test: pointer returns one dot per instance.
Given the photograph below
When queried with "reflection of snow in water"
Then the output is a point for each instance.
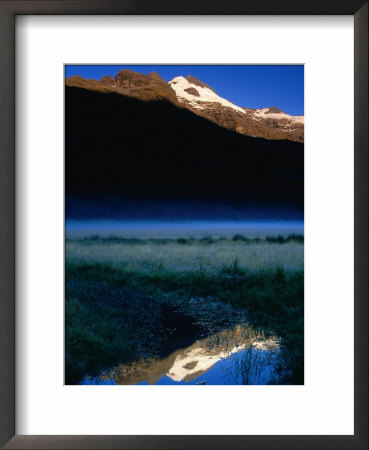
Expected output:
(252, 363)
(236, 356)
(194, 361)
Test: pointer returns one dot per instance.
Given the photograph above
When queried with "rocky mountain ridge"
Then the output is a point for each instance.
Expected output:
(196, 96)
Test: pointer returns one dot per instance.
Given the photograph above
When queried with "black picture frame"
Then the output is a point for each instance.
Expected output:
(8, 11)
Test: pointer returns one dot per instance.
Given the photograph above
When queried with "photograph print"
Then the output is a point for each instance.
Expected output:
(184, 225)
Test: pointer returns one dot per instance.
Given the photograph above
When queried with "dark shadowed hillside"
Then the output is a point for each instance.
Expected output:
(121, 146)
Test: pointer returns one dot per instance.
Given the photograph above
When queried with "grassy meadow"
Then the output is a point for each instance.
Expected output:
(118, 291)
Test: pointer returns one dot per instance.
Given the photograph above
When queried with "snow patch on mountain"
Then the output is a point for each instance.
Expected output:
(180, 85)
(198, 95)
(265, 114)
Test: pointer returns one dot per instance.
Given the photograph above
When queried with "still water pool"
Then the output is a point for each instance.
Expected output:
(231, 357)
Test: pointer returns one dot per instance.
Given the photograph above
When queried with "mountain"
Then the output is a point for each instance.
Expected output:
(196, 96)
(118, 147)
(269, 123)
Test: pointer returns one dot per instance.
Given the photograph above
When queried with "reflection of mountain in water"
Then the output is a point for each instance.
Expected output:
(237, 356)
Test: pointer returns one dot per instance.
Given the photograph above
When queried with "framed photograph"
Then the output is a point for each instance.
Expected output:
(184, 230)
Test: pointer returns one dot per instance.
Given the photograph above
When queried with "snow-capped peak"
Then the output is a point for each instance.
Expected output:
(269, 123)
(195, 94)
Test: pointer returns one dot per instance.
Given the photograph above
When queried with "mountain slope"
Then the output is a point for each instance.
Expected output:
(118, 145)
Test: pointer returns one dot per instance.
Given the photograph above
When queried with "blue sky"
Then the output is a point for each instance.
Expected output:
(251, 86)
